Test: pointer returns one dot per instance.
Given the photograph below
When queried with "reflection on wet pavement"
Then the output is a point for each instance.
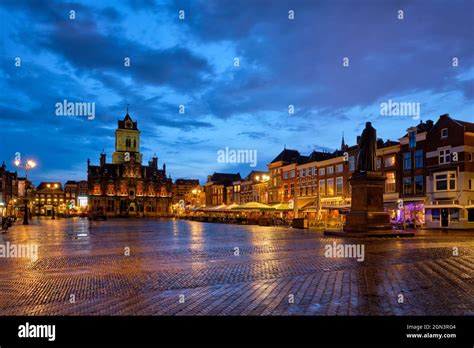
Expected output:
(180, 267)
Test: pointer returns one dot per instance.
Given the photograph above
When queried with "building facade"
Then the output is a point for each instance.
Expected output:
(450, 174)
(182, 188)
(8, 191)
(126, 187)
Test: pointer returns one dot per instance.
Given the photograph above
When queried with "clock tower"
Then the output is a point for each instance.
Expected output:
(127, 142)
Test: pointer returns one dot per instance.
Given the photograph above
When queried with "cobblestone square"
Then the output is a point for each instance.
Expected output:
(177, 267)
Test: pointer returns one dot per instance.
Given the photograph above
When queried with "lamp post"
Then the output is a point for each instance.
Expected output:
(30, 164)
(53, 187)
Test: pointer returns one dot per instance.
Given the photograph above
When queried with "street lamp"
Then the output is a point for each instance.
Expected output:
(30, 164)
(55, 186)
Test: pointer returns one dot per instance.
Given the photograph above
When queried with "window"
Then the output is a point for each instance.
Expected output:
(390, 182)
(445, 181)
(301, 173)
(339, 168)
(322, 171)
(292, 174)
(379, 163)
(307, 171)
(407, 189)
(470, 184)
(435, 215)
(444, 156)
(339, 183)
(444, 133)
(322, 187)
(285, 175)
(390, 161)
(352, 163)
(470, 215)
(412, 139)
(418, 185)
(314, 171)
(330, 170)
(454, 214)
(330, 187)
(407, 161)
(419, 159)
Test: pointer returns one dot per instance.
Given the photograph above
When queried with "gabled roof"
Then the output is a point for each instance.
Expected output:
(127, 118)
(225, 177)
(288, 156)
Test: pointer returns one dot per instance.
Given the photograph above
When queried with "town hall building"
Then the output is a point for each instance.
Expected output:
(126, 187)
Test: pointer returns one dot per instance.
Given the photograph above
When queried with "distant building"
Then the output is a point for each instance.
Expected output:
(8, 191)
(49, 197)
(125, 187)
(182, 187)
(216, 187)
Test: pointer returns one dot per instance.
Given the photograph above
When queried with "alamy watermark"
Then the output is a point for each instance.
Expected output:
(392, 108)
(335, 250)
(10, 250)
(67, 108)
(237, 156)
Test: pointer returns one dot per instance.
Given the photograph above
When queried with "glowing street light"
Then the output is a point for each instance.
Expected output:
(30, 164)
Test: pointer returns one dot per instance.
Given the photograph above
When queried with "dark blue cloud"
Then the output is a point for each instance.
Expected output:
(190, 62)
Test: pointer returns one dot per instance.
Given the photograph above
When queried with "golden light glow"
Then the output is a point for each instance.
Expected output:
(17, 163)
(31, 163)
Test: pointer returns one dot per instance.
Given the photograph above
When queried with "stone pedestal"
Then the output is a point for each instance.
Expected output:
(367, 212)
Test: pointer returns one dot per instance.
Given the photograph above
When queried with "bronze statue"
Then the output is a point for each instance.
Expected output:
(367, 145)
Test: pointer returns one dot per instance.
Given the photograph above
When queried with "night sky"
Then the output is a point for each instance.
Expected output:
(191, 62)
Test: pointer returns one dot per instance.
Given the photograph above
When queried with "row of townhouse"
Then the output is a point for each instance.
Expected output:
(429, 176)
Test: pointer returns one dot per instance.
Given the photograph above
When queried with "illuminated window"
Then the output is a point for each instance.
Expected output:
(339, 183)
(390, 182)
(330, 188)
(322, 187)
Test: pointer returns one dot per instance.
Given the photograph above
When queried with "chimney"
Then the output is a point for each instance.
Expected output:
(154, 161)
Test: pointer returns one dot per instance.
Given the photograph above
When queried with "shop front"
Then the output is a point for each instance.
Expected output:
(449, 216)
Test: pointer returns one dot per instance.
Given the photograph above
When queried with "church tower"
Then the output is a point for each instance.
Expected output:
(127, 142)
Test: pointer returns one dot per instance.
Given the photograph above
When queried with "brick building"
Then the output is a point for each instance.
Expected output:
(126, 187)
(450, 174)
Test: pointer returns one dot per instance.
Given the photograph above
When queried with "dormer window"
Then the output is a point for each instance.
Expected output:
(444, 133)
(412, 139)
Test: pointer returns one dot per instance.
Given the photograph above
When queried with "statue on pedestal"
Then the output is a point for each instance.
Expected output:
(367, 147)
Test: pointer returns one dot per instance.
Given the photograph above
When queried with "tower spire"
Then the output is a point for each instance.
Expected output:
(127, 108)
(343, 144)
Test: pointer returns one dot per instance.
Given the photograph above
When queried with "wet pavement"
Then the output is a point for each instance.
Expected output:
(177, 267)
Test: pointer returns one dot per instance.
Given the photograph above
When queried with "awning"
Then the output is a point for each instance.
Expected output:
(438, 206)
(253, 206)
(281, 207)
(304, 202)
